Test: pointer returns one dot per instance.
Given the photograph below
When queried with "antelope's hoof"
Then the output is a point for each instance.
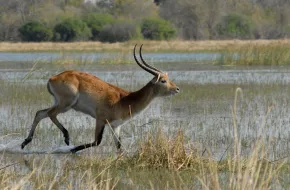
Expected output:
(26, 141)
(73, 150)
(22, 145)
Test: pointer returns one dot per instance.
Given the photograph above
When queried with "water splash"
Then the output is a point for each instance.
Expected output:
(62, 150)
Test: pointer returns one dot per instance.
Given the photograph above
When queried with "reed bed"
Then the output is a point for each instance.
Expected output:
(151, 46)
(256, 55)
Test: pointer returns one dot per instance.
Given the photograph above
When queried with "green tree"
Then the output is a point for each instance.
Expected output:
(96, 22)
(235, 25)
(72, 29)
(157, 29)
(35, 32)
(119, 32)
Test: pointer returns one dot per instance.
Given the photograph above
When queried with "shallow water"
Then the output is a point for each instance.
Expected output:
(203, 109)
(133, 79)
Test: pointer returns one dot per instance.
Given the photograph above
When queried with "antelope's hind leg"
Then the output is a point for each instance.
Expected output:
(52, 115)
(59, 107)
(41, 114)
(64, 105)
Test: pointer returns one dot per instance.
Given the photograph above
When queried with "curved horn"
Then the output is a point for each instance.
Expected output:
(144, 62)
(153, 72)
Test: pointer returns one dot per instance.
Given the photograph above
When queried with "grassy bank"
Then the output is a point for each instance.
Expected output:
(149, 46)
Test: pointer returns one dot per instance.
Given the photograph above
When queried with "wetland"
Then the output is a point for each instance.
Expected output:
(229, 125)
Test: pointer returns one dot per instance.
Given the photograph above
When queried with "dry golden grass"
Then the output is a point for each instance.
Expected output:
(151, 46)
(157, 151)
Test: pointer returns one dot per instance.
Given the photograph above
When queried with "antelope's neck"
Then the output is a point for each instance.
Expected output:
(137, 101)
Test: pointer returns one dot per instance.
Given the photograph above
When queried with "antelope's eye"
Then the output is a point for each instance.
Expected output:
(163, 81)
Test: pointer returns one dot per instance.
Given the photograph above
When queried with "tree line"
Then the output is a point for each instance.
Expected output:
(123, 20)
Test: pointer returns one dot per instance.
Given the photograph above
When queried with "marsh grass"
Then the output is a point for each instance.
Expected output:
(159, 151)
(255, 55)
(17, 93)
(243, 172)
(179, 163)
(160, 160)
(126, 47)
(151, 46)
(120, 58)
(65, 177)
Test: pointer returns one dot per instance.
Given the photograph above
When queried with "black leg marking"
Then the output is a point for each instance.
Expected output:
(65, 134)
(52, 115)
(81, 147)
(26, 141)
(119, 143)
(100, 136)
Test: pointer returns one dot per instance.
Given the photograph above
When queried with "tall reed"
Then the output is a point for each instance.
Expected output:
(256, 55)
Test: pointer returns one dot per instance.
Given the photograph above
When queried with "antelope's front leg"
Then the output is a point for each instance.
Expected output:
(100, 125)
(116, 135)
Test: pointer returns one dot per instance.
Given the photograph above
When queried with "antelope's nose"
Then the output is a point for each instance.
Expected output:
(177, 89)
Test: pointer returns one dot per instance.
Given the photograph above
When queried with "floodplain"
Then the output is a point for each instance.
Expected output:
(228, 128)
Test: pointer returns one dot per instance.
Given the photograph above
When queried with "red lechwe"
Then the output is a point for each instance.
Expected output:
(103, 101)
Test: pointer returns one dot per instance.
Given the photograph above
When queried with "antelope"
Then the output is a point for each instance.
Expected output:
(107, 103)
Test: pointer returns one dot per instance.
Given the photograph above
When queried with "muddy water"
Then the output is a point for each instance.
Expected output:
(203, 109)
